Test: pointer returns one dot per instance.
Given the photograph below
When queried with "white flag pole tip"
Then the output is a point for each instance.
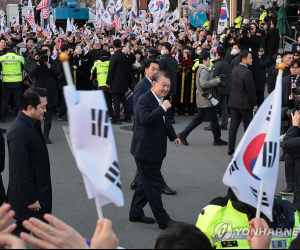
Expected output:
(99, 211)
(261, 192)
(64, 58)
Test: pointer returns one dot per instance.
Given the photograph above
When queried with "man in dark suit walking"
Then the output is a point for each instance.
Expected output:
(242, 99)
(151, 68)
(116, 82)
(149, 147)
(29, 189)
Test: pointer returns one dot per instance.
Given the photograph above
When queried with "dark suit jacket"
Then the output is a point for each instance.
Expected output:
(118, 73)
(273, 80)
(235, 62)
(272, 38)
(149, 142)
(141, 88)
(170, 64)
(295, 46)
(242, 94)
(29, 169)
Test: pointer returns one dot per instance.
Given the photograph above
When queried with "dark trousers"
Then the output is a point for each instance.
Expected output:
(237, 116)
(271, 53)
(148, 190)
(137, 177)
(63, 106)
(48, 122)
(108, 100)
(2, 192)
(117, 98)
(260, 95)
(297, 189)
(290, 171)
(202, 113)
(223, 99)
(6, 98)
(19, 229)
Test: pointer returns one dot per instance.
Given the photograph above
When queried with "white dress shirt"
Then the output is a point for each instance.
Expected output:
(160, 102)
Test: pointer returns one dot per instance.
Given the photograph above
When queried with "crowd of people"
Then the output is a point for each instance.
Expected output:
(233, 71)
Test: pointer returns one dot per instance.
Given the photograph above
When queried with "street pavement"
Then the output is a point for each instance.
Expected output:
(195, 171)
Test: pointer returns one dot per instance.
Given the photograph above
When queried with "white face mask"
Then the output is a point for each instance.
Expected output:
(162, 52)
(199, 52)
(234, 52)
(111, 53)
(279, 60)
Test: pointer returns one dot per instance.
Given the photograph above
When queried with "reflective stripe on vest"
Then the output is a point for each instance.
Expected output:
(12, 74)
(6, 61)
(102, 73)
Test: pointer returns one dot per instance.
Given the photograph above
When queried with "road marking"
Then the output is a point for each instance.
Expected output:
(67, 134)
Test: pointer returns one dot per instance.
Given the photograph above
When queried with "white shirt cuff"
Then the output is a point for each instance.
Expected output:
(164, 108)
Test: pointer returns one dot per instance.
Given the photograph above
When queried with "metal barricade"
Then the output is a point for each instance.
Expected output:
(286, 43)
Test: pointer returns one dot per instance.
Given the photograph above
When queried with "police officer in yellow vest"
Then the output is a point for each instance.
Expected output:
(12, 66)
(264, 14)
(206, 25)
(100, 70)
(225, 222)
(238, 21)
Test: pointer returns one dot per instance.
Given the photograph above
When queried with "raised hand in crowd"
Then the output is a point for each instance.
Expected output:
(6, 214)
(9, 241)
(104, 237)
(259, 240)
(61, 236)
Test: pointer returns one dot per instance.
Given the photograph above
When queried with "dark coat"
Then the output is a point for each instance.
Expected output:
(118, 73)
(253, 43)
(149, 141)
(170, 64)
(270, 72)
(141, 69)
(242, 94)
(272, 82)
(61, 79)
(130, 61)
(295, 46)
(221, 66)
(46, 78)
(272, 38)
(141, 88)
(236, 61)
(261, 80)
(29, 169)
(93, 56)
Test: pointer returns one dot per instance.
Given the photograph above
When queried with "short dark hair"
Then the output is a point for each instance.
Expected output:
(187, 48)
(64, 47)
(28, 39)
(183, 236)
(160, 74)
(148, 63)
(287, 53)
(221, 51)
(240, 46)
(275, 56)
(203, 57)
(168, 47)
(244, 54)
(295, 61)
(32, 97)
(48, 46)
(117, 43)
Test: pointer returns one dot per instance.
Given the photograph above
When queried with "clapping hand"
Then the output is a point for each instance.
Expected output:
(61, 236)
(296, 119)
(7, 215)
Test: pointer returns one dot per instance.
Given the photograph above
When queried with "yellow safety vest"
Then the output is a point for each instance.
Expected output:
(226, 228)
(263, 15)
(102, 72)
(206, 25)
(238, 22)
(12, 67)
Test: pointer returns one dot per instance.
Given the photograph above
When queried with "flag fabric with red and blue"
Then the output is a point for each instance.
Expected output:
(117, 21)
(130, 99)
(46, 32)
(30, 18)
(43, 5)
(46, 14)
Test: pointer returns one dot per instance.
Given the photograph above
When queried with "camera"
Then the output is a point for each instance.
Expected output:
(37, 51)
(246, 29)
(286, 113)
(207, 94)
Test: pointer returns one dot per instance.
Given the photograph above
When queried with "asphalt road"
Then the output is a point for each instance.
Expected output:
(195, 171)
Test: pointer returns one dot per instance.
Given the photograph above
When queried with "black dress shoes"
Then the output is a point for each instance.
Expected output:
(144, 220)
(166, 225)
(2, 130)
(168, 191)
(231, 152)
(182, 138)
(220, 143)
(48, 141)
(133, 186)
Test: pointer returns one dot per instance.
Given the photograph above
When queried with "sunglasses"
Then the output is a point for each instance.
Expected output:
(261, 51)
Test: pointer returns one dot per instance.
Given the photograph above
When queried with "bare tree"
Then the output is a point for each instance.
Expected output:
(217, 13)
(247, 11)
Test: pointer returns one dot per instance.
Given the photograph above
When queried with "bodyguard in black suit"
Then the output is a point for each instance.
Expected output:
(149, 147)
(29, 189)
(117, 82)
(242, 99)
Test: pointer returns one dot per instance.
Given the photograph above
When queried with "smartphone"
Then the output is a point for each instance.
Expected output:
(22, 45)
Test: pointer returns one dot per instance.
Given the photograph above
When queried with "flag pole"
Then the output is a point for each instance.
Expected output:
(261, 192)
(99, 211)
